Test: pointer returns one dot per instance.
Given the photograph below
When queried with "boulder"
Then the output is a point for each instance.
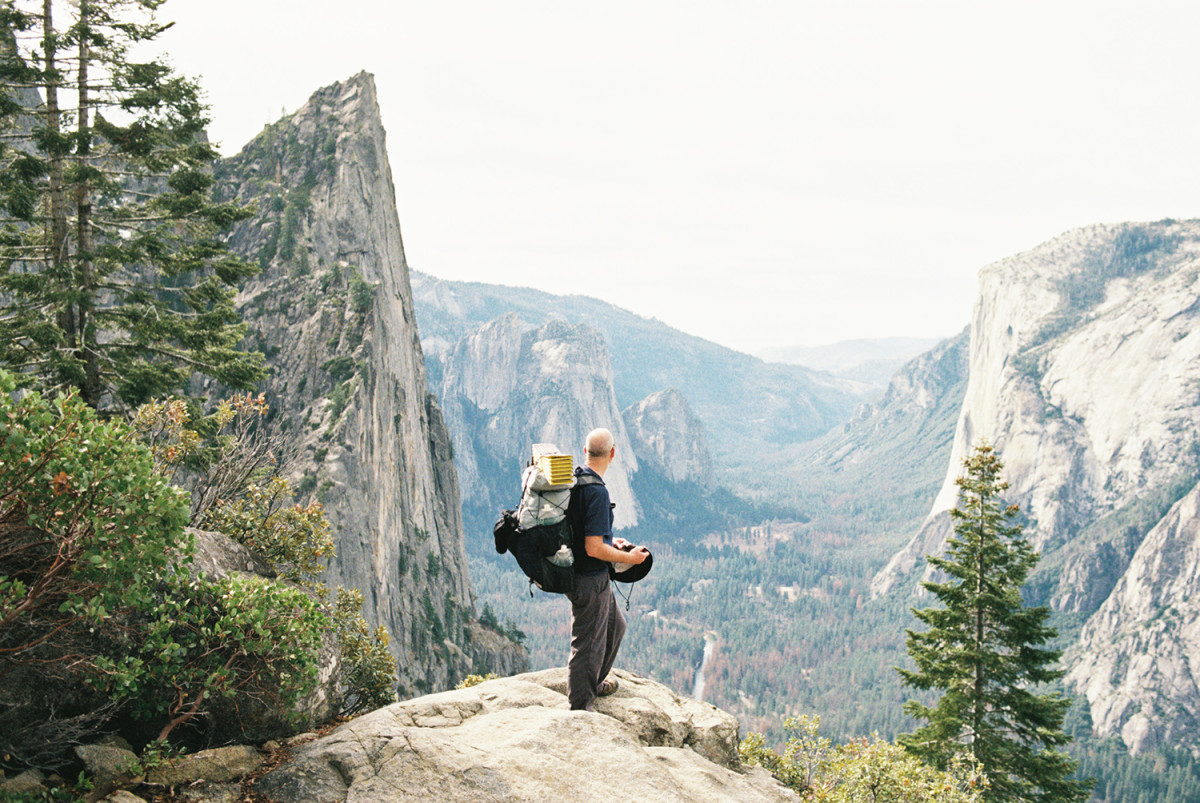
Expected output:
(212, 793)
(28, 782)
(107, 762)
(124, 796)
(219, 765)
(113, 740)
(516, 739)
(659, 717)
(218, 555)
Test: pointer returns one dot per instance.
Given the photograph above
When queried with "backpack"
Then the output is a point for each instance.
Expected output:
(538, 533)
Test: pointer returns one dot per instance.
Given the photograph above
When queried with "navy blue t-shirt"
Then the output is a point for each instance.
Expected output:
(591, 514)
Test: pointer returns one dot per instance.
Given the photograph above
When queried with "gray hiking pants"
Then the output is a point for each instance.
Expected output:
(597, 626)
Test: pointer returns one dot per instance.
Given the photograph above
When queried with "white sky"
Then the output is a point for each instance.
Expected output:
(757, 172)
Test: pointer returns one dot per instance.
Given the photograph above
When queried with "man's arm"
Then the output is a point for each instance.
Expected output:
(596, 548)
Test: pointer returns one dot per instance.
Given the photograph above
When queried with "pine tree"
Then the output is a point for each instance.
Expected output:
(983, 650)
(113, 279)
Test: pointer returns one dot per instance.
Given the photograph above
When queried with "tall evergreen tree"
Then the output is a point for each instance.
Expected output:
(983, 650)
(113, 278)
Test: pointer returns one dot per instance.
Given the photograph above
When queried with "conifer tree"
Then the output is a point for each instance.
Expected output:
(983, 650)
(113, 279)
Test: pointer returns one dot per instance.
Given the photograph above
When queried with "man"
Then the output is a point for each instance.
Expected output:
(597, 624)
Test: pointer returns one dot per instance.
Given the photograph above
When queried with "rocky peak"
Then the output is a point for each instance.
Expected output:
(669, 438)
(332, 310)
(508, 386)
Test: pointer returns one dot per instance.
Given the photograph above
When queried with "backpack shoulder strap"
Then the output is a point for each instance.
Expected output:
(582, 478)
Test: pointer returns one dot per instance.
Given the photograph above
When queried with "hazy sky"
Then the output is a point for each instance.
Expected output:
(758, 173)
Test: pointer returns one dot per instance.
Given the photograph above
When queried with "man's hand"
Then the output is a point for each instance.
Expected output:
(639, 554)
(614, 553)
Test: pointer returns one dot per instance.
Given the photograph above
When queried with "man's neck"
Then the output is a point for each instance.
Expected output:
(598, 465)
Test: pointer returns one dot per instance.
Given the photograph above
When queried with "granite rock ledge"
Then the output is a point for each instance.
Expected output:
(515, 739)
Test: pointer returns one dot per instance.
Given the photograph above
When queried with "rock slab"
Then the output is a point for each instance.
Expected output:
(219, 765)
(515, 739)
(107, 762)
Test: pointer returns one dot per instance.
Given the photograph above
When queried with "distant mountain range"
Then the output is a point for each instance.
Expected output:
(744, 402)
(871, 361)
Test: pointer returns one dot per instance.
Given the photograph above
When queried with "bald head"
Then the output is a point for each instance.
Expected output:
(599, 445)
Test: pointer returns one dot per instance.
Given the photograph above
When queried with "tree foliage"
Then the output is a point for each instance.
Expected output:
(871, 770)
(96, 592)
(254, 506)
(983, 650)
(102, 613)
(113, 278)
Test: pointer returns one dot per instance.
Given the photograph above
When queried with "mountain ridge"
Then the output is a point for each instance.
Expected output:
(648, 356)
(332, 312)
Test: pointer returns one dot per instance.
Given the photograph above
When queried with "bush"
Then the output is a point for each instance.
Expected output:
(368, 668)
(475, 680)
(339, 368)
(803, 755)
(338, 400)
(211, 639)
(295, 539)
(229, 450)
(362, 293)
(98, 613)
(86, 531)
(860, 770)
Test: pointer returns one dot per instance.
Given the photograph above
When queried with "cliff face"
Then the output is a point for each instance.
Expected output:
(912, 424)
(669, 438)
(508, 386)
(1082, 368)
(1084, 364)
(1136, 657)
(332, 310)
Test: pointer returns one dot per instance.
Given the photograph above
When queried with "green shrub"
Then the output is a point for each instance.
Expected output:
(339, 368)
(95, 577)
(368, 668)
(89, 490)
(293, 538)
(803, 754)
(100, 613)
(338, 400)
(208, 639)
(88, 529)
(475, 680)
(362, 293)
(860, 770)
